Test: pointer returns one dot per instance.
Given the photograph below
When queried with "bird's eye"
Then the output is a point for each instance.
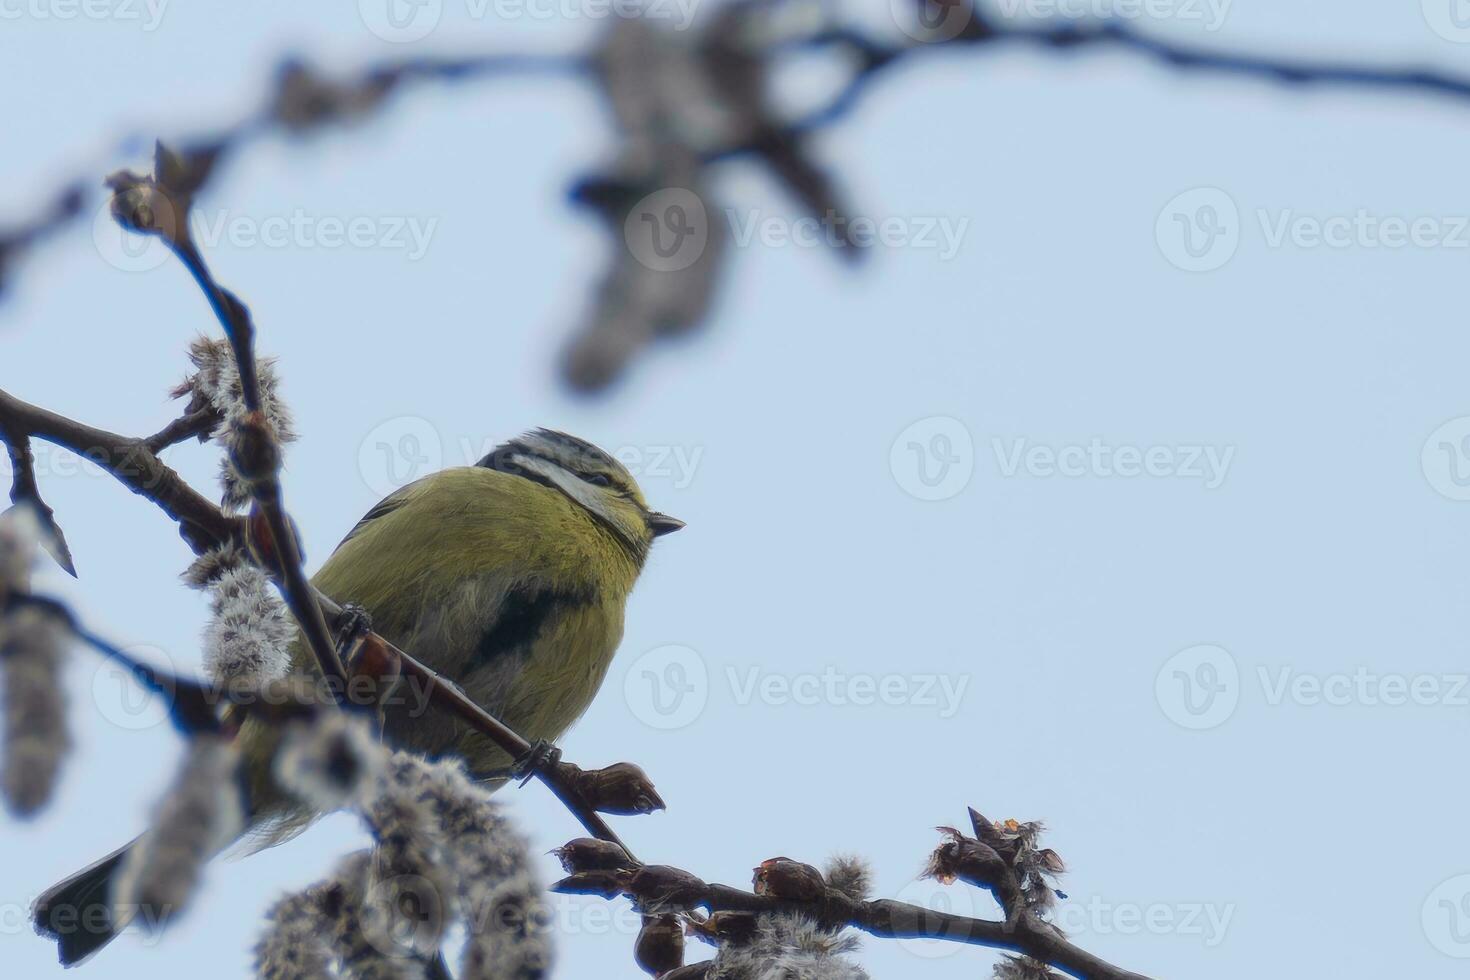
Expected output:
(598, 480)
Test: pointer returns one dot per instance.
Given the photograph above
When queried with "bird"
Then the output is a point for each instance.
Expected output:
(509, 576)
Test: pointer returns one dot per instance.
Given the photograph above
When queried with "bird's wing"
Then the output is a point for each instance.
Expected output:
(387, 505)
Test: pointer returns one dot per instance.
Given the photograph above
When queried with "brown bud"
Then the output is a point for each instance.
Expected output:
(606, 884)
(658, 888)
(979, 864)
(1051, 861)
(374, 669)
(591, 854)
(660, 946)
(966, 858)
(139, 204)
(725, 928)
(622, 788)
(784, 878)
(261, 544)
(254, 449)
(694, 971)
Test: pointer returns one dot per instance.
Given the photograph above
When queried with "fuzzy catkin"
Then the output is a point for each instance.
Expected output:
(359, 952)
(330, 761)
(33, 646)
(216, 382)
(498, 894)
(207, 569)
(851, 875)
(1023, 968)
(1036, 878)
(791, 947)
(201, 813)
(319, 933)
(410, 886)
(248, 640)
(20, 542)
(294, 946)
(443, 852)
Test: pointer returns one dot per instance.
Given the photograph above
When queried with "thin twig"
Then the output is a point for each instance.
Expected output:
(265, 483)
(889, 919)
(130, 461)
(197, 424)
(26, 490)
(875, 57)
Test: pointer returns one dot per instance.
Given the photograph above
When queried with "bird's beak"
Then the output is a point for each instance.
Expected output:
(661, 524)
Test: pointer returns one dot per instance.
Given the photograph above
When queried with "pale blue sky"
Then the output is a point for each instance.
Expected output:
(1322, 544)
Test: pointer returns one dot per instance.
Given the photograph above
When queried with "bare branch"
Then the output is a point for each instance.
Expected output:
(26, 490)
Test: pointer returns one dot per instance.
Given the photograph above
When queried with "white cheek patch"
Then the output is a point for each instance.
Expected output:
(569, 483)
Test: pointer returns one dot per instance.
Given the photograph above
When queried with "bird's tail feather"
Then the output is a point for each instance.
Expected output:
(77, 912)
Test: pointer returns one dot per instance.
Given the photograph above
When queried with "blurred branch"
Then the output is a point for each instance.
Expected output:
(683, 100)
(970, 27)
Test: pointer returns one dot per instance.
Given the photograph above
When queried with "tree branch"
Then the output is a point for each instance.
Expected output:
(130, 461)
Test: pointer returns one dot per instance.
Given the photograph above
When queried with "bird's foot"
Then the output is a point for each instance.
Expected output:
(542, 755)
(354, 622)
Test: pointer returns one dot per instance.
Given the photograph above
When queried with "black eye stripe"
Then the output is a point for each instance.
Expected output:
(598, 479)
